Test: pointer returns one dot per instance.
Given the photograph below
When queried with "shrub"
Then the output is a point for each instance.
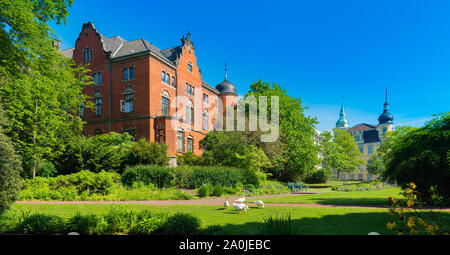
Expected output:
(10, 169)
(148, 222)
(189, 159)
(120, 220)
(69, 187)
(217, 191)
(282, 225)
(223, 176)
(145, 153)
(41, 224)
(181, 224)
(160, 176)
(205, 190)
(46, 169)
(182, 176)
(102, 152)
(319, 176)
(86, 224)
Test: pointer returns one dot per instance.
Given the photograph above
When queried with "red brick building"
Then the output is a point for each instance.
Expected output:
(148, 92)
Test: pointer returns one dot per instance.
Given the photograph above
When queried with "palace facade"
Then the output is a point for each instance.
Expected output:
(368, 138)
(147, 92)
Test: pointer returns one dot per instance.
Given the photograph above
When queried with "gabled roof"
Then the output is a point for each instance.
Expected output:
(362, 127)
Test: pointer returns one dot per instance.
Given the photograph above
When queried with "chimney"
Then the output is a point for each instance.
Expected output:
(56, 44)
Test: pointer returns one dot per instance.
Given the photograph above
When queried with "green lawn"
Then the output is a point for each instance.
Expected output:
(375, 197)
(333, 221)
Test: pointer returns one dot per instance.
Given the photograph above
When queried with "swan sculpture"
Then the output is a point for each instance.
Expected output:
(240, 207)
(241, 200)
(226, 204)
(259, 203)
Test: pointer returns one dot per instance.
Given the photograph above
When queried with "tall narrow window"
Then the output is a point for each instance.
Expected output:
(205, 98)
(205, 121)
(163, 75)
(370, 149)
(173, 82)
(87, 55)
(127, 104)
(190, 112)
(98, 103)
(125, 74)
(165, 106)
(131, 73)
(167, 79)
(190, 144)
(189, 66)
(361, 148)
(180, 145)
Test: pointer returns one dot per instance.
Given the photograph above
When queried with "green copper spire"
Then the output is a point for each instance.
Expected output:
(342, 122)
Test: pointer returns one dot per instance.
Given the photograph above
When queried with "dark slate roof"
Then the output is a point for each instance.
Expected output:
(111, 44)
(172, 53)
(371, 136)
(362, 127)
(226, 87)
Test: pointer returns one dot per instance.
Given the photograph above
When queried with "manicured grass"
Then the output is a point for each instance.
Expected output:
(315, 221)
(375, 197)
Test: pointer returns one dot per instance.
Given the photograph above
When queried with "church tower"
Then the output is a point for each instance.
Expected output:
(342, 123)
(385, 121)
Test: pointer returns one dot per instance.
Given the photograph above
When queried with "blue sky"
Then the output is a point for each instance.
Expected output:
(317, 50)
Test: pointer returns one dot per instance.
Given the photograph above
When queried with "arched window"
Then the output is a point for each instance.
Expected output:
(127, 104)
(98, 103)
(165, 103)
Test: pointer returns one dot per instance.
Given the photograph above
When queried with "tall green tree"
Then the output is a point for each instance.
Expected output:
(345, 155)
(422, 156)
(39, 89)
(10, 169)
(375, 164)
(299, 151)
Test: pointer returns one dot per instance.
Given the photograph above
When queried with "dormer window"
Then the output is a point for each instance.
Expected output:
(190, 67)
(87, 55)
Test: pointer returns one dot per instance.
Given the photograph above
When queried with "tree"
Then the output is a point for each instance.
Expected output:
(421, 156)
(345, 155)
(10, 168)
(299, 154)
(40, 90)
(24, 34)
(146, 153)
(375, 164)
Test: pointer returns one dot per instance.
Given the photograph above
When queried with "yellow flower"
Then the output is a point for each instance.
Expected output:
(410, 222)
(401, 211)
(409, 203)
(400, 233)
(412, 185)
(390, 226)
